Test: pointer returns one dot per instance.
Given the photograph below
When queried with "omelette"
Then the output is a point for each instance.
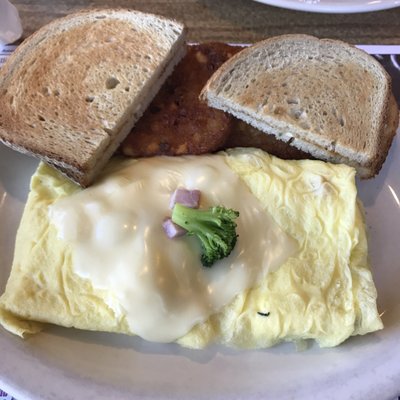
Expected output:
(299, 271)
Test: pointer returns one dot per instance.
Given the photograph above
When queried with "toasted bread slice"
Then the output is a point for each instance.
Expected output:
(73, 90)
(324, 97)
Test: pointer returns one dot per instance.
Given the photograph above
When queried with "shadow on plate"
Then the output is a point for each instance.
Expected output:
(203, 356)
(16, 170)
(369, 189)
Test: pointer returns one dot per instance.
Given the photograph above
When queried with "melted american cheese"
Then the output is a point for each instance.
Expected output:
(158, 284)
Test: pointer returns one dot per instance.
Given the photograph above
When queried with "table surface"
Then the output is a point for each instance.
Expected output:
(232, 20)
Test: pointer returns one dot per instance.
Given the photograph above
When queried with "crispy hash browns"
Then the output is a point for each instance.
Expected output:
(177, 123)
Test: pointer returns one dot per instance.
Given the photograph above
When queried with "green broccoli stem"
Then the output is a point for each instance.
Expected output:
(192, 218)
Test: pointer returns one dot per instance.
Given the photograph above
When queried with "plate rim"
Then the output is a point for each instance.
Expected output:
(333, 6)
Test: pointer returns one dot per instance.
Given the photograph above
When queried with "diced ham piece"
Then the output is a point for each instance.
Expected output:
(188, 198)
(173, 230)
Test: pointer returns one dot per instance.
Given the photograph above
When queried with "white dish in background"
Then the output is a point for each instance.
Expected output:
(334, 6)
(71, 364)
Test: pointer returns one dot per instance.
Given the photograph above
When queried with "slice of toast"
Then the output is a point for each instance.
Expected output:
(324, 97)
(73, 90)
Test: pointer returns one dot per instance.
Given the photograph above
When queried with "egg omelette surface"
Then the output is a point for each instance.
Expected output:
(324, 292)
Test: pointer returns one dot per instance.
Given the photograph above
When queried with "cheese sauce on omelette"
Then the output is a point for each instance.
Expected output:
(115, 231)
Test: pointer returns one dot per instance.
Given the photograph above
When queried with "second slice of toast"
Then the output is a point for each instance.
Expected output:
(324, 97)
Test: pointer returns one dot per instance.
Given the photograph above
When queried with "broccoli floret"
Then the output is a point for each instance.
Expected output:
(215, 227)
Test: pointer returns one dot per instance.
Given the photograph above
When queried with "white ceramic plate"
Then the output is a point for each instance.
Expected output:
(334, 6)
(71, 364)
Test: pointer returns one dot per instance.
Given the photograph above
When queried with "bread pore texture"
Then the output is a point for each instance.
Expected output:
(323, 96)
(73, 90)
